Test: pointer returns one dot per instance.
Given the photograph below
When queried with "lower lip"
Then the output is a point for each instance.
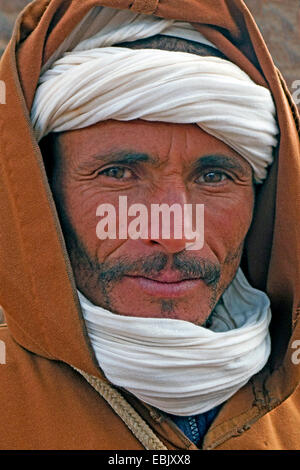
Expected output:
(165, 289)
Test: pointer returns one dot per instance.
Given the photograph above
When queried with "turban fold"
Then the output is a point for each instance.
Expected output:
(95, 81)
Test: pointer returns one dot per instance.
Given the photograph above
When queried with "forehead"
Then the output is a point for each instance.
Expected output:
(165, 142)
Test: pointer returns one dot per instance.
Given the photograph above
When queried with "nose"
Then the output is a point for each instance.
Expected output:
(167, 224)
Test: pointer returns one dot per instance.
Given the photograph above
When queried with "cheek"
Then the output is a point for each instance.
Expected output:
(227, 221)
(81, 201)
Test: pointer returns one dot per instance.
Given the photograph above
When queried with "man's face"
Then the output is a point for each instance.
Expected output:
(152, 163)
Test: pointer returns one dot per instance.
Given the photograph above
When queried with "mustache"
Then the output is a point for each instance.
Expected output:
(189, 268)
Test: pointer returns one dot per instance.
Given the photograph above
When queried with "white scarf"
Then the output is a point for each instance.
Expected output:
(179, 367)
(94, 82)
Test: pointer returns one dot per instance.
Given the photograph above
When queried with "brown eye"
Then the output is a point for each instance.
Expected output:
(117, 172)
(212, 177)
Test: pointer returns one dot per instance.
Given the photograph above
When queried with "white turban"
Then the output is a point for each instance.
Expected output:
(87, 81)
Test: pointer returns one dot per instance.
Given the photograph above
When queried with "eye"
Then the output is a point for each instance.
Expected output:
(212, 177)
(117, 172)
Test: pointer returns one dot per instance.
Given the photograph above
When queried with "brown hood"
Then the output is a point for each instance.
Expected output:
(37, 290)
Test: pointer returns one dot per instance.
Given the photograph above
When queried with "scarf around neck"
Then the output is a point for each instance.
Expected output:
(177, 366)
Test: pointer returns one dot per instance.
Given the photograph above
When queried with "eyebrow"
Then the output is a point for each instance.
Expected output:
(217, 161)
(122, 157)
(131, 157)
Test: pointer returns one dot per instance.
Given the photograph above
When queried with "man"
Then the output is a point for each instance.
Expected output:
(141, 341)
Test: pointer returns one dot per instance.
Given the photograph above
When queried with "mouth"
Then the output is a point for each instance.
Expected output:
(166, 285)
